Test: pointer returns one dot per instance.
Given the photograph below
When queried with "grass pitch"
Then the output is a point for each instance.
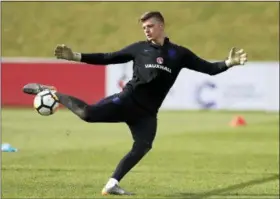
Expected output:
(210, 29)
(195, 155)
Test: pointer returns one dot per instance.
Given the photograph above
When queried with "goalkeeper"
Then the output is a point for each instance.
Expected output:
(156, 64)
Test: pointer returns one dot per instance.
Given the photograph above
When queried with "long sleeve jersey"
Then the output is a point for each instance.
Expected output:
(155, 69)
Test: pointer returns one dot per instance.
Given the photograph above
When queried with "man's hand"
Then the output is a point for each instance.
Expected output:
(236, 57)
(63, 52)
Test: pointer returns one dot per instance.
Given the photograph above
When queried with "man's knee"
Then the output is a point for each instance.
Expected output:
(84, 114)
(97, 113)
(141, 147)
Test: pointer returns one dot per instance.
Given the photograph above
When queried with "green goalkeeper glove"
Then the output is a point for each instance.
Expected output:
(64, 52)
(236, 57)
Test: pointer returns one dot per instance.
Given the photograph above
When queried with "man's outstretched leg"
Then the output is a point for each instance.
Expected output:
(77, 106)
(105, 111)
(143, 132)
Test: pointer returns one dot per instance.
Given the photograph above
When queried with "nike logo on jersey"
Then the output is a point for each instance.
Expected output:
(147, 50)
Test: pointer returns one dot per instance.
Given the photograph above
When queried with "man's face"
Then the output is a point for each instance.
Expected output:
(153, 28)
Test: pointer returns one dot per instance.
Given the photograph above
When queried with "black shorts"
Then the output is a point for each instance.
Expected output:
(122, 108)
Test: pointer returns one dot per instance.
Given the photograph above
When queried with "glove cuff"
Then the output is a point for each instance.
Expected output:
(77, 56)
(228, 63)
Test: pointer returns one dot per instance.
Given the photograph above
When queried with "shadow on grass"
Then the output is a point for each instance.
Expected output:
(224, 191)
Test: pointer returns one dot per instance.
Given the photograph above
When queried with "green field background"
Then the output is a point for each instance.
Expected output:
(196, 154)
(33, 29)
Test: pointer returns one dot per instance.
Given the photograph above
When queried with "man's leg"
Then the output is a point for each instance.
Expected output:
(111, 109)
(107, 110)
(143, 132)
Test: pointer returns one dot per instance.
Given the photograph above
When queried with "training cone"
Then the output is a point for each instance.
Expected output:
(238, 121)
(8, 148)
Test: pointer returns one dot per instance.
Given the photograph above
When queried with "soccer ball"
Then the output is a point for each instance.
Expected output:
(46, 103)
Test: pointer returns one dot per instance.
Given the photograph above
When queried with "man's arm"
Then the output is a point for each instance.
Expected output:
(122, 56)
(193, 62)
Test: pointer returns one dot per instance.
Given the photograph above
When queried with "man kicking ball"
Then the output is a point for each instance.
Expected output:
(156, 64)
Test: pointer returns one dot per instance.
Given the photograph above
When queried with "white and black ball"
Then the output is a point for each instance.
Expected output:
(46, 103)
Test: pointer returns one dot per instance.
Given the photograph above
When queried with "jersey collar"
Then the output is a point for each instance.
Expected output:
(166, 41)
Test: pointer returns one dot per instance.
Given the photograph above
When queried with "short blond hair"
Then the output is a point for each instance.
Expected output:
(152, 14)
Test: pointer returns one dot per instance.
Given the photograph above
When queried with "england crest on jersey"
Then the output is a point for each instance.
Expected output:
(160, 60)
